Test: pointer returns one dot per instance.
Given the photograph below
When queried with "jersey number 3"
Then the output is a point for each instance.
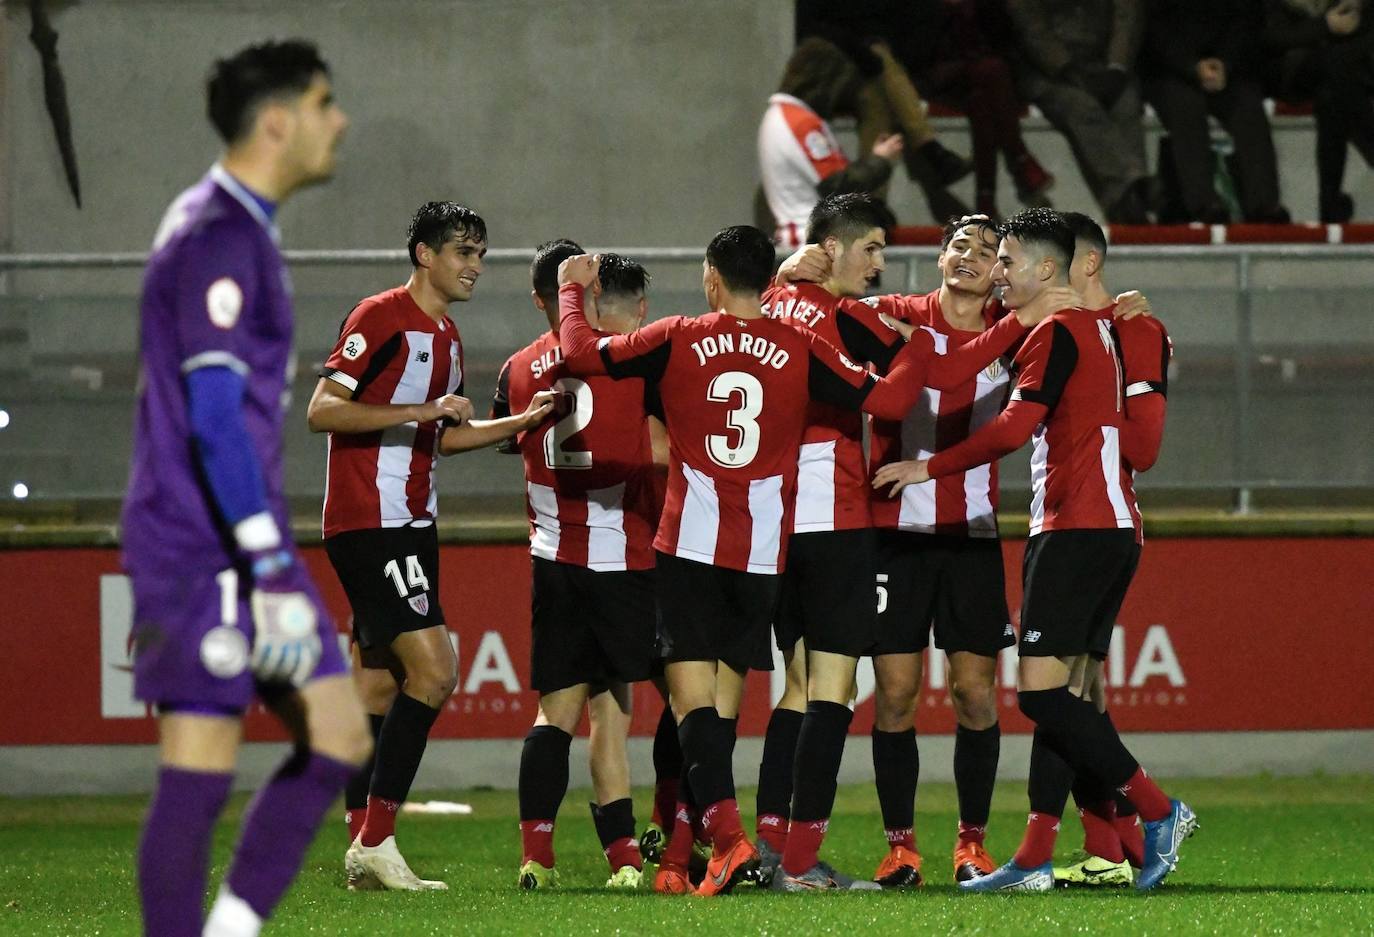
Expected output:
(741, 450)
(568, 426)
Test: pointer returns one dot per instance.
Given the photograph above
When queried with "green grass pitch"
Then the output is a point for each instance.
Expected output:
(1274, 856)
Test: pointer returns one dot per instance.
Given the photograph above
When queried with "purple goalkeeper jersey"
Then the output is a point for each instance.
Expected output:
(215, 294)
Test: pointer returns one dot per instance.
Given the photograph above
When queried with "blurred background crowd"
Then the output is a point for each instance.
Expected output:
(1210, 72)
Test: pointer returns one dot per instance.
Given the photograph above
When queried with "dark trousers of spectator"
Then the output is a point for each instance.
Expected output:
(1339, 80)
(983, 89)
(1108, 143)
(1183, 109)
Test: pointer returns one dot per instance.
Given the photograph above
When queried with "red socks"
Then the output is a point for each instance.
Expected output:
(720, 821)
(1099, 831)
(772, 829)
(354, 819)
(380, 820)
(803, 845)
(623, 852)
(969, 833)
(1152, 802)
(905, 837)
(1132, 837)
(1037, 847)
(665, 803)
(536, 840)
(679, 850)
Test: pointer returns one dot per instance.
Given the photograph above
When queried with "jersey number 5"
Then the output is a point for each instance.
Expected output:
(574, 422)
(743, 419)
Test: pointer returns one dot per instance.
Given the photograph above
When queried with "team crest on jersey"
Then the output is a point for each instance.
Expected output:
(224, 302)
(354, 346)
(420, 603)
(870, 301)
(994, 370)
(817, 145)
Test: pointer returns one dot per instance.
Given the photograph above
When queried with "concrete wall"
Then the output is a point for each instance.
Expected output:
(627, 121)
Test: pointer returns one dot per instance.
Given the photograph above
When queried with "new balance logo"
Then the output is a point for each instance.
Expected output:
(543, 827)
(770, 820)
(1009, 632)
(1030, 637)
(422, 356)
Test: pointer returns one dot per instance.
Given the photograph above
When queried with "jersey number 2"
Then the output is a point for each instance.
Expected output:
(574, 422)
(743, 419)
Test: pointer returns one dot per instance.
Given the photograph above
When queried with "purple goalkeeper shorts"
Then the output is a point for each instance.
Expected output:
(192, 636)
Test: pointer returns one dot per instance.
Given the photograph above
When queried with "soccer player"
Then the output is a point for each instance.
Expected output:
(1113, 840)
(390, 397)
(223, 605)
(1082, 543)
(827, 589)
(939, 559)
(733, 384)
(591, 492)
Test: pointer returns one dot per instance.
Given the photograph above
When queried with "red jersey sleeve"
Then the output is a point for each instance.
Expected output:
(1043, 365)
(368, 340)
(1145, 353)
(643, 353)
(864, 335)
(837, 380)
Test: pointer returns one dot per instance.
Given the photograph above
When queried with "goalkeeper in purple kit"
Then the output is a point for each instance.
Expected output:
(223, 606)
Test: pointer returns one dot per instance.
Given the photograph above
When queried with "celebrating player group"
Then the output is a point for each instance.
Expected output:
(800, 465)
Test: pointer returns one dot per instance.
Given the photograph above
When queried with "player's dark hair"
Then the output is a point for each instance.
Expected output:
(1085, 229)
(622, 277)
(847, 216)
(238, 85)
(744, 257)
(1044, 228)
(544, 267)
(981, 223)
(437, 223)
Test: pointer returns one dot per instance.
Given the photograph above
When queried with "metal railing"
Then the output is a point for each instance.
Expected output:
(1273, 343)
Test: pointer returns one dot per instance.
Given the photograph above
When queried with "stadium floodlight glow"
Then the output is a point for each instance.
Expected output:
(4, 418)
(21, 490)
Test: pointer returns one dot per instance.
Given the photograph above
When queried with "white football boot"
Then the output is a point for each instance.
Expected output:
(383, 867)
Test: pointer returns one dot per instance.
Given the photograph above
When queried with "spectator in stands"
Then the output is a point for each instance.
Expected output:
(952, 50)
(887, 100)
(799, 158)
(1202, 58)
(1077, 60)
(1323, 51)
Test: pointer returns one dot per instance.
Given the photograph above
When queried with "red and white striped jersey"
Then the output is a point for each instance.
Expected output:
(589, 474)
(389, 351)
(832, 478)
(964, 503)
(1069, 399)
(734, 394)
(796, 151)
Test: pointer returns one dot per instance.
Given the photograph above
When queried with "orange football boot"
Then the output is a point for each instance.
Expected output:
(972, 861)
(900, 868)
(672, 880)
(725, 871)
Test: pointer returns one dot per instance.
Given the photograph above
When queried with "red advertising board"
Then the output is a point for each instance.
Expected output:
(1216, 635)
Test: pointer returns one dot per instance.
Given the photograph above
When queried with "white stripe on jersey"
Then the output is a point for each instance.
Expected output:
(1138, 388)
(606, 542)
(765, 512)
(1039, 466)
(815, 488)
(1111, 474)
(397, 446)
(917, 511)
(982, 519)
(546, 530)
(700, 521)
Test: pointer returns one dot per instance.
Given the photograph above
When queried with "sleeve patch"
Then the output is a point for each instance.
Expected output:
(817, 146)
(224, 303)
(354, 346)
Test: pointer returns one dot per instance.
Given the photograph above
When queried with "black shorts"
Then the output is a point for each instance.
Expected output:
(590, 627)
(707, 612)
(1074, 583)
(391, 578)
(827, 593)
(957, 584)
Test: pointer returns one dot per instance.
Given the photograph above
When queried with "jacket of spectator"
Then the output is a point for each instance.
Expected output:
(1059, 36)
(1180, 33)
